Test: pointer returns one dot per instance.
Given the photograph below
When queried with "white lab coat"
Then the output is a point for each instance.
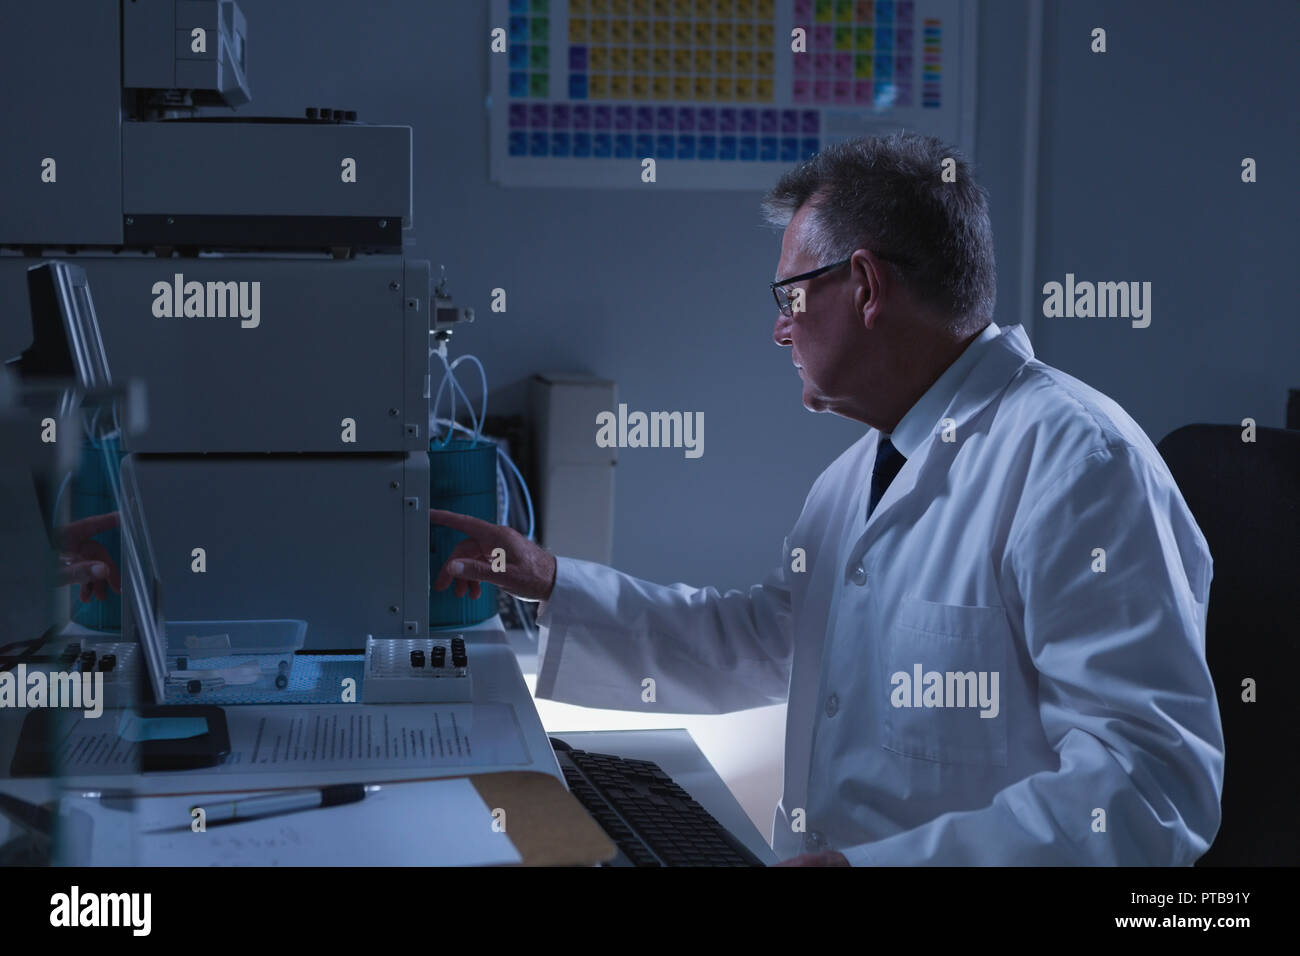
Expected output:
(1046, 542)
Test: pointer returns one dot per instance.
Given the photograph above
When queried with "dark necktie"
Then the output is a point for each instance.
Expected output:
(888, 461)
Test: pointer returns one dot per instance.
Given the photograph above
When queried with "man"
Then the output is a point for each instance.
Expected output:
(989, 617)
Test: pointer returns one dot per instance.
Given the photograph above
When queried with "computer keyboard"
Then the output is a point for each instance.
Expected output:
(652, 820)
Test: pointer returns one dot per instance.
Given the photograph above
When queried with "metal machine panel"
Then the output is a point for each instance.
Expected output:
(341, 542)
(59, 68)
(332, 341)
(214, 167)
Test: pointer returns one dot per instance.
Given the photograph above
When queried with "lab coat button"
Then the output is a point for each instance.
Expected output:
(832, 705)
(858, 575)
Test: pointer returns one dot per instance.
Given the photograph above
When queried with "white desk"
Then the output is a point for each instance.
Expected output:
(497, 680)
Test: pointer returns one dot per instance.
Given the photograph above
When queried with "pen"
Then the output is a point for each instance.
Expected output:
(274, 804)
(219, 813)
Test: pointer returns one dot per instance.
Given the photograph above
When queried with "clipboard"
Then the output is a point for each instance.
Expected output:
(547, 824)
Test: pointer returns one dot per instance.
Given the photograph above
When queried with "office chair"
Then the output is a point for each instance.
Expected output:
(1246, 499)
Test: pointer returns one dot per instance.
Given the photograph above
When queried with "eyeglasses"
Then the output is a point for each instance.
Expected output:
(784, 302)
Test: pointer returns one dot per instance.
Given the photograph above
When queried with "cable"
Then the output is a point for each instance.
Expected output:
(479, 420)
(482, 375)
(457, 426)
(441, 352)
(523, 486)
(450, 376)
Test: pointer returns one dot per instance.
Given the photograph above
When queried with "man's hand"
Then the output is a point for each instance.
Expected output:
(84, 561)
(529, 568)
(825, 858)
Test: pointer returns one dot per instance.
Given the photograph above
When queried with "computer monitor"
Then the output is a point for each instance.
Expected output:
(67, 350)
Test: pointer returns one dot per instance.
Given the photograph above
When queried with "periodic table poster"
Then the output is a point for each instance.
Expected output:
(712, 89)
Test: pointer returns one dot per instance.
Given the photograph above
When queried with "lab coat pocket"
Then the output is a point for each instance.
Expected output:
(945, 670)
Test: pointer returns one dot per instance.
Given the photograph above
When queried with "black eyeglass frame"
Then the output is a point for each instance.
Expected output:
(786, 308)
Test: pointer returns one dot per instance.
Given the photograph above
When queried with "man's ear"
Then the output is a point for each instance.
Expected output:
(872, 285)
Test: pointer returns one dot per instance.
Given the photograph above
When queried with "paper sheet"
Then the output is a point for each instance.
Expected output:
(374, 736)
(323, 738)
(424, 823)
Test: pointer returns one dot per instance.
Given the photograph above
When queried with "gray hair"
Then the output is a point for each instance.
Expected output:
(886, 194)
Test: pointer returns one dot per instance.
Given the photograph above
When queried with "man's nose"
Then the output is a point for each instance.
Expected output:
(781, 333)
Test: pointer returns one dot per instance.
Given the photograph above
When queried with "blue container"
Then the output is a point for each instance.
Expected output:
(463, 479)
